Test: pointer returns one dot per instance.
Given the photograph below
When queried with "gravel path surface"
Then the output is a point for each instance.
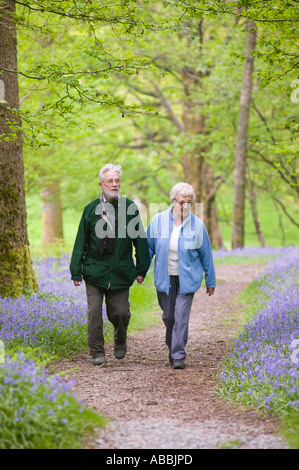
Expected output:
(152, 406)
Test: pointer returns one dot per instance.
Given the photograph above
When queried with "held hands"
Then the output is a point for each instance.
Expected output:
(140, 279)
(210, 291)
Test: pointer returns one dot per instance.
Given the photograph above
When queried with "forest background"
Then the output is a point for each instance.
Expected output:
(173, 91)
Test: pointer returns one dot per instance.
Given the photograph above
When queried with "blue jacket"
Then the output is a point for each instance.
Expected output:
(194, 252)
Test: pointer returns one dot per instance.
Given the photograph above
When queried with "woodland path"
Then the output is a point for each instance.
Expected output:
(153, 406)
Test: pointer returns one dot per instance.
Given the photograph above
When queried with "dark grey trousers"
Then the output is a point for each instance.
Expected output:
(176, 313)
(118, 313)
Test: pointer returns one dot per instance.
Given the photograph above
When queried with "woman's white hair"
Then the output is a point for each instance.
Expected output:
(182, 189)
(109, 167)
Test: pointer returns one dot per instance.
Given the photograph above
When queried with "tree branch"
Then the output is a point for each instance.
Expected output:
(263, 119)
(171, 114)
(285, 211)
(159, 186)
(80, 72)
(23, 98)
(215, 188)
(283, 176)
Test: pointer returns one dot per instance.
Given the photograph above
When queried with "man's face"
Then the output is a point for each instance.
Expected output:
(111, 185)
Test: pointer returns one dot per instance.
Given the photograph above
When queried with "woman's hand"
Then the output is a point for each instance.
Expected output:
(210, 291)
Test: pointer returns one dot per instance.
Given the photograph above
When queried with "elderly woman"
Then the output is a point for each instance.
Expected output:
(181, 246)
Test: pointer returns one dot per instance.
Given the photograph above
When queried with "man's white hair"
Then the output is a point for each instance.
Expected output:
(109, 167)
(182, 189)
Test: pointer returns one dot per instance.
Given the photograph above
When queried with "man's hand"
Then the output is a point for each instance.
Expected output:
(77, 283)
(210, 291)
(140, 279)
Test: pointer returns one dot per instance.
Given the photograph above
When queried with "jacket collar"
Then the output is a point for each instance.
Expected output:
(186, 219)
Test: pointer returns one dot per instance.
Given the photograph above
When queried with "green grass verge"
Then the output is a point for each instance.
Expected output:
(231, 260)
(249, 298)
(145, 310)
(52, 346)
(289, 428)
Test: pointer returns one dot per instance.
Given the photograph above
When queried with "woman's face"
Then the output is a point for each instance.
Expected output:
(182, 205)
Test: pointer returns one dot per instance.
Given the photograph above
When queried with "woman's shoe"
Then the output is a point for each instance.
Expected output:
(179, 364)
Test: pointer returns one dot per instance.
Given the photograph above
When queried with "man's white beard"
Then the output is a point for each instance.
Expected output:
(113, 194)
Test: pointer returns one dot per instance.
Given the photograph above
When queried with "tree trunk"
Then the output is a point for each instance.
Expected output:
(197, 171)
(16, 273)
(52, 230)
(241, 147)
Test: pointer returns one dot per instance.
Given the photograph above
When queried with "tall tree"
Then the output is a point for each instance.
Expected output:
(242, 135)
(16, 273)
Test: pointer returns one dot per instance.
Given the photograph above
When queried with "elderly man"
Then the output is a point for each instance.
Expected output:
(103, 256)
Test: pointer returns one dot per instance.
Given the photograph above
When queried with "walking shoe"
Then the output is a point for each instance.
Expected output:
(170, 359)
(99, 360)
(120, 350)
(179, 364)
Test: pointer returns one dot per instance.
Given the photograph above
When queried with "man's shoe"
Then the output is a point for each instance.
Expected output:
(120, 350)
(99, 360)
(179, 364)
(170, 359)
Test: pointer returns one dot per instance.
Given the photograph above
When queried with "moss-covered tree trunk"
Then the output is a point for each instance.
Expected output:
(16, 273)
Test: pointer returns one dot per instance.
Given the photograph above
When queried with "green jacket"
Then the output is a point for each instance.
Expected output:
(114, 270)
